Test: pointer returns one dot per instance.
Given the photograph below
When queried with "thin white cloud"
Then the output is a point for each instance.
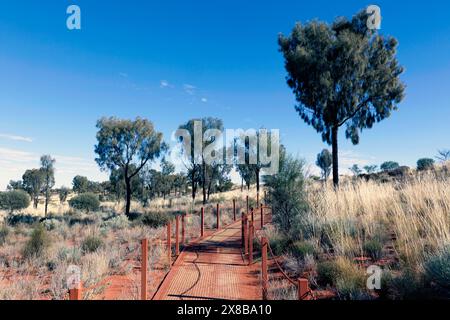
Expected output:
(123, 74)
(164, 84)
(15, 137)
(204, 100)
(189, 89)
(348, 158)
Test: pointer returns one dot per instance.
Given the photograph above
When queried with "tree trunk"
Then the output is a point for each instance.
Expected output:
(128, 196)
(334, 138)
(242, 184)
(36, 202)
(46, 201)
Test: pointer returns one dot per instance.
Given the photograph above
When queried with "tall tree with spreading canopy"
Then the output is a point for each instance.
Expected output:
(48, 171)
(127, 145)
(342, 74)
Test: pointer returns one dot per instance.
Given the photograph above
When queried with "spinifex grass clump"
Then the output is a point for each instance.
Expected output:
(38, 243)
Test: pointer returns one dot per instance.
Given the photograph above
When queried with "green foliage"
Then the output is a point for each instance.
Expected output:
(373, 249)
(355, 170)
(437, 273)
(279, 244)
(38, 243)
(80, 184)
(389, 165)
(300, 249)
(4, 232)
(155, 219)
(370, 169)
(286, 192)
(17, 219)
(407, 286)
(33, 183)
(14, 200)
(87, 202)
(327, 273)
(325, 162)
(129, 146)
(91, 244)
(342, 74)
(425, 164)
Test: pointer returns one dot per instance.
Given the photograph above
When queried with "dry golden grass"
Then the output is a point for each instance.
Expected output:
(417, 212)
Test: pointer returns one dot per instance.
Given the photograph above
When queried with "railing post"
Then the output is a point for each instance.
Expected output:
(76, 293)
(247, 205)
(245, 235)
(234, 210)
(177, 235)
(262, 217)
(183, 227)
(265, 196)
(253, 214)
(144, 268)
(257, 199)
(169, 243)
(264, 274)
(303, 289)
(250, 243)
(218, 216)
(202, 223)
(243, 230)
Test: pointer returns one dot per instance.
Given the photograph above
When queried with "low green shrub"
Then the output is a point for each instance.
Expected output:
(327, 273)
(91, 244)
(116, 223)
(437, 273)
(14, 200)
(155, 219)
(300, 249)
(279, 244)
(38, 243)
(407, 286)
(373, 249)
(17, 219)
(87, 202)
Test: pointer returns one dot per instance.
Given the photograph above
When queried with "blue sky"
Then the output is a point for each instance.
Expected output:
(170, 61)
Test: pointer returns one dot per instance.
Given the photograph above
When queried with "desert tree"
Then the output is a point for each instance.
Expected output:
(129, 146)
(389, 165)
(80, 184)
(355, 170)
(425, 164)
(342, 74)
(199, 171)
(48, 171)
(63, 193)
(325, 162)
(14, 200)
(370, 169)
(15, 185)
(33, 183)
(443, 155)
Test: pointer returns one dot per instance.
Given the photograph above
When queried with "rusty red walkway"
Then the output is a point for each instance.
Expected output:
(213, 268)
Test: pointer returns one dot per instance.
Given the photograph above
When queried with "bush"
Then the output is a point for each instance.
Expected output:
(117, 222)
(279, 244)
(87, 202)
(91, 244)
(327, 273)
(287, 194)
(437, 273)
(14, 200)
(14, 220)
(38, 243)
(300, 249)
(425, 164)
(389, 165)
(373, 249)
(155, 219)
(4, 232)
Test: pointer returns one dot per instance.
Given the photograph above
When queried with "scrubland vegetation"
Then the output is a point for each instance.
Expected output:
(334, 235)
